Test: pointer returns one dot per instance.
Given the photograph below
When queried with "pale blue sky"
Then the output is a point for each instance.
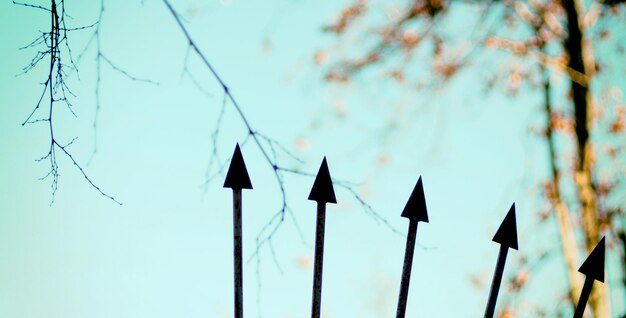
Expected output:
(166, 252)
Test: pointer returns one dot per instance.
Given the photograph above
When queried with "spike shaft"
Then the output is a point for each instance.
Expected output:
(319, 260)
(497, 280)
(237, 251)
(406, 269)
(584, 297)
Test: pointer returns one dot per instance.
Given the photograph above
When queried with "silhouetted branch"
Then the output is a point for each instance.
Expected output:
(95, 39)
(269, 148)
(31, 6)
(54, 45)
(125, 73)
(187, 72)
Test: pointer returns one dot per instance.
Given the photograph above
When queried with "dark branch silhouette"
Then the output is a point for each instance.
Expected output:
(270, 150)
(54, 44)
(95, 40)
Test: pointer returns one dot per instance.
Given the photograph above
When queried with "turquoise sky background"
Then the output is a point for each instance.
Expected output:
(166, 252)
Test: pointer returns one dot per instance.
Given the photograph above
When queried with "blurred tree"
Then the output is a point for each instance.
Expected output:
(540, 39)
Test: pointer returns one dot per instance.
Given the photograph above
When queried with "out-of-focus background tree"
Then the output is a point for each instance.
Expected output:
(569, 52)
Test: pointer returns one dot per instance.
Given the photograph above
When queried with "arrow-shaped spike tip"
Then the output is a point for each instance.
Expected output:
(237, 175)
(507, 232)
(323, 190)
(415, 208)
(593, 267)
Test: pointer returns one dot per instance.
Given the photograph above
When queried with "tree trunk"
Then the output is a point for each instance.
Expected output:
(562, 213)
(581, 60)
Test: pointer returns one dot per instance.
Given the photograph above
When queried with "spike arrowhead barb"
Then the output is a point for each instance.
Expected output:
(323, 190)
(415, 208)
(593, 267)
(507, 233)
(237, 175)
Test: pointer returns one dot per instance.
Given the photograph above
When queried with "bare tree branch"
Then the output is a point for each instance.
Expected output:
(55, 45)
